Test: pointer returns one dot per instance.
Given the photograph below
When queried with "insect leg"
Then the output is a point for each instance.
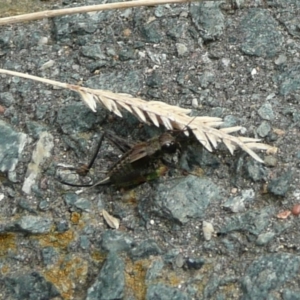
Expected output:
(84, 169)
(96, 152)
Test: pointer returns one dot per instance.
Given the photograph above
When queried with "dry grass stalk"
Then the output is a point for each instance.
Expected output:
(156, 112)
(85, 9)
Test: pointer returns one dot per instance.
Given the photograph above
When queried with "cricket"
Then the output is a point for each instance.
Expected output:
(139, 162)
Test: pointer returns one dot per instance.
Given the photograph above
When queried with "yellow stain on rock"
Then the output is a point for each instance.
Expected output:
(135, 274)
(66, 274)
(10, 7)
(75, 218)
(4, 269)
(98, 257)
(56, 239)
(7, 243)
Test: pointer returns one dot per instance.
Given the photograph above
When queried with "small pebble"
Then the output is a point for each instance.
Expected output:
(234, 190)
(208, 230)
(296, 210)
(284, 214)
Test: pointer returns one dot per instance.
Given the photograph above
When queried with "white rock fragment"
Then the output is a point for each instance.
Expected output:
(42, 151)
(195, 103)
(208, 230)
(253, 72)
(48, 64)
(181, 49)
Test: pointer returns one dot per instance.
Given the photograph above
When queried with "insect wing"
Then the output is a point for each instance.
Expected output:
(138, 152)
(119, 142)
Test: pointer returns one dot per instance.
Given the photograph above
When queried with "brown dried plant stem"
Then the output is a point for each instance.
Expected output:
(160, 113)
(85, 9)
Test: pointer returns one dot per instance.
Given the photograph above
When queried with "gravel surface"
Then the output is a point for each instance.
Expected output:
(211, 236)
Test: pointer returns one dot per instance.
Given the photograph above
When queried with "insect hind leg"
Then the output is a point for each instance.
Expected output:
(84, 169)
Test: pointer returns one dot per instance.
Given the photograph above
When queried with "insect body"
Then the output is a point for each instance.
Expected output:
(139, 163)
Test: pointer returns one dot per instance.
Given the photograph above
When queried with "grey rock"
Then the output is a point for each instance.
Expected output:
(77, 117)
(62, 226)
(5, 39)
(159, 11)
(25, 204)
(157, 58)
(37, 191)
(179, 260)
(237, 203)
(67, 28)
(29, 224)
(153, 93)
(150, 33)
(229, 121)
(171, 255)
(289, 17)
(76, 144)
(70, 198)
(84, 242)
(252, 221)
(266, 112)
(154, 80)
(7, 99)
(280, 185)
(127, 13)
(41, 111)
(34, 224)
(162, 292)
(286, 4)
(119, 82)
(49, 255)
(12, 144)
(264, 129)
(30, 286)
(145, 249)
(255, 39)
(212, 286)
(270, 161)
(256, 171)
(176, 30)
(110, 282)
(196, 155)
(44, 205)
(34, 129)
(208, 19)
(154, 270)
(93, 51)
(94, 66)
(281, 59)
(206, 79)
(115, 241)
(267, 274)
(83, 204)
(288, 294)
(127, 54)
(265, 238)
(289, 80)
(188, 198)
